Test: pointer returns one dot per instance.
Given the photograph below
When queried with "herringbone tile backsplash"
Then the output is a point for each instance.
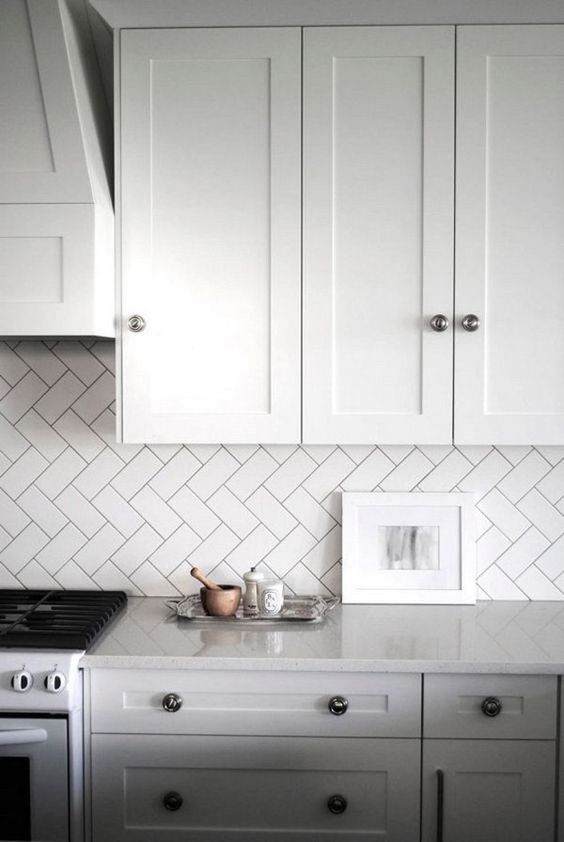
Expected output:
(78, 510)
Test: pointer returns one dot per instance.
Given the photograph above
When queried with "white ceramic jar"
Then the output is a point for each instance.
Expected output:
(270, 597)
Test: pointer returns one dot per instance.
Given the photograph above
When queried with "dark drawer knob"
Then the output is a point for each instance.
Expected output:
(172, 702)
(173, 801)
(491, 706)
(338, 705)
(337, 804)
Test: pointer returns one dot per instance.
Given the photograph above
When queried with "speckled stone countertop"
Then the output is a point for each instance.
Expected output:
(500, 637)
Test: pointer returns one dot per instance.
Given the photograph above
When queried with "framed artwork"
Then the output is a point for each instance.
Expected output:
(412, 547)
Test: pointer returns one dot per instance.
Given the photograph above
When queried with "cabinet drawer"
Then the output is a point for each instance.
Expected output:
(520, 707)
(253, 788)
(237, 702)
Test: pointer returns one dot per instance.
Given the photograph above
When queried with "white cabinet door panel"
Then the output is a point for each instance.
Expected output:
(509, 383)
(492, 790)
(210, 172)
(378, 230)
(254, 788)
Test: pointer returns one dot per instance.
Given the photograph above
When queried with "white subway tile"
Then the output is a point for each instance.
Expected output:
(228, 508)
(329, 474)
(155, 512)
(191, 509)
(61, 548)
(309, 513)
(213, 474)
(100, 547)
(252, 474)
(23, 548)
(79, 435)
(59, 398)
(117, 511)
(526, 474)
(22, 397)
(60, 473)
(140, 546)
(80, 361)
(273, 515)
(42, 511)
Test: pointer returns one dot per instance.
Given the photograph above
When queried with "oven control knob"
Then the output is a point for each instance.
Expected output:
(22, 681)
(55, 682)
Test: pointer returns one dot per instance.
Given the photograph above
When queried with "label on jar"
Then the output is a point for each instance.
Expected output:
(271, 598)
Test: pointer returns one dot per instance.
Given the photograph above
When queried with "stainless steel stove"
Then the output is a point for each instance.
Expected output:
(43, 635)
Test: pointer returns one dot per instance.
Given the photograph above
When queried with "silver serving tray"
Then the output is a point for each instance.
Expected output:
(297, 609)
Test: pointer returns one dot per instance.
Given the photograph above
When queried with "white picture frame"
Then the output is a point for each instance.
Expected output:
(414, 547)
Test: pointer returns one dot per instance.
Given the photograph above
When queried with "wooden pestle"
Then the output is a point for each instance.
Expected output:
(207, 583)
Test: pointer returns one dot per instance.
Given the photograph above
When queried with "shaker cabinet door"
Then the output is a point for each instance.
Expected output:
(488, 790)
(210, 220)
(509, 381)
(378, 234)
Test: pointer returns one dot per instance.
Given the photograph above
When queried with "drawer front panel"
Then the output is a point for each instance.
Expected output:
(254, 788)
(523, 707)
(278, 703)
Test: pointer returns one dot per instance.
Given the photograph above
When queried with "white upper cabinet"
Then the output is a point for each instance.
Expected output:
(210, 226)
(509, 384)
(213, 213)
(56, 215)
(378, 234)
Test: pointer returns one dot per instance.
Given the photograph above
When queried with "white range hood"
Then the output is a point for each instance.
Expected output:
(56, 211)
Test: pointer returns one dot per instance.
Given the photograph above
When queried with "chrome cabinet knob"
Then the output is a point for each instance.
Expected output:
(491, 706)
(136, 323)
(338, 705)
(439, 323)
(470, 322)
(173, 801)
(172, 702)
(337, 804)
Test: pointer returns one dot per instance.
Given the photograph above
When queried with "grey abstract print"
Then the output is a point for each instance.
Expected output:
(408, 548)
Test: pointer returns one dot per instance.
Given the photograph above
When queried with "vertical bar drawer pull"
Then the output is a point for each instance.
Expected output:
(440, 803)
(172, 702)
(173, 801)
(338, 705)
(337, 804)
(491, 706)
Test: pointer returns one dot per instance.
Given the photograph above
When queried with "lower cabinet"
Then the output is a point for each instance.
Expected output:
(489, 758)
(259, 756)
(219, 789)
(488, 790)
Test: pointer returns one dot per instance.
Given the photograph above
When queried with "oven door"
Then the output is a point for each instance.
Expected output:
(34, 779)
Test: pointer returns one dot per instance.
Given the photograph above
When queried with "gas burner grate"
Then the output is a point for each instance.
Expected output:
(56, 619)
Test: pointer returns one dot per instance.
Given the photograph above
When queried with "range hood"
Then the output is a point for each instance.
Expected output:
(56, 210)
